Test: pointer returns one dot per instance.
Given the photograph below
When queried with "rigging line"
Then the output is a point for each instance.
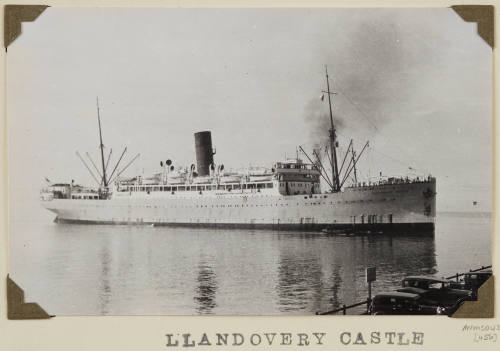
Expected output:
(395, 159)
(88, 169)
(355, 170)
(109, 157)
(125, 168)
(357, 159)
(347, 170)
(320, 172)
(323, 168)
(359, 109)
(118, 162)
(345, 156)
(93, 164)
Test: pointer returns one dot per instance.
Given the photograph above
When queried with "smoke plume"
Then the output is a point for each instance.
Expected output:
(370, 69)
(319, 122)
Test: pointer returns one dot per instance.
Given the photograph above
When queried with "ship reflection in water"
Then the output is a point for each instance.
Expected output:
(105, 293)
(324, 272)
(144, 270)
(206, 290)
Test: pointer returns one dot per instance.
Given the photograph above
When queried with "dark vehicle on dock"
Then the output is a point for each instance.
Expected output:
(400, 303)
(473, 280)
(434, 292)
(450, 310)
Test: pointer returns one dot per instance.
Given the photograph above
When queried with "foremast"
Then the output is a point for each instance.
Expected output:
(104, 180)
(335, 185)
(103, 184)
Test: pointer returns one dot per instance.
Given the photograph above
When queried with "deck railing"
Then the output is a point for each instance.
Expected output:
(344, 308)
(457, 275)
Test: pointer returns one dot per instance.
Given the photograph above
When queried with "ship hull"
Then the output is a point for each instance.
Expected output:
(340, 229)
(406, 207)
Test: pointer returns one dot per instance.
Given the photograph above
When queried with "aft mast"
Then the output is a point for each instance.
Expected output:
(333, 140)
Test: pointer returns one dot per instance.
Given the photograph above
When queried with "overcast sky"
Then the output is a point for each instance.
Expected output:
(416, 83)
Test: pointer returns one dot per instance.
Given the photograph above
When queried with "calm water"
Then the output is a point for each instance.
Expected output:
(78, 269)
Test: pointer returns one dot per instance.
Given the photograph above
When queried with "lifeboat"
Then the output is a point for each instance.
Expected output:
(176, 178)
(202, 180)
(230, 178)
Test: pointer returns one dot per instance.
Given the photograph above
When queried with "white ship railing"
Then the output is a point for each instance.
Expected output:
(394, 181)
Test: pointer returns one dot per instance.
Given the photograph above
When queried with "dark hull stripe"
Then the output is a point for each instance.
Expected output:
(375, 228)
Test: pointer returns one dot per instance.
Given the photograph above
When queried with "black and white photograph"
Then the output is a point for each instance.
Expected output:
(284, 161)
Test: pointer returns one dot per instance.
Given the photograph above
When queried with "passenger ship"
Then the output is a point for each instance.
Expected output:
(287, 196)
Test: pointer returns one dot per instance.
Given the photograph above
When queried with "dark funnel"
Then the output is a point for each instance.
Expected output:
(204, 152)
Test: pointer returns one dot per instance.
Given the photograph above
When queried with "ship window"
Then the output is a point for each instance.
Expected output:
(236, 186)
(181, 188)
(269, 185)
